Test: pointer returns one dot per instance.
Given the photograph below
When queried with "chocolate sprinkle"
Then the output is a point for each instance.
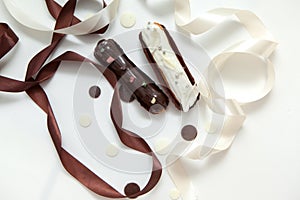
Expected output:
(95, 92)
(189, 132)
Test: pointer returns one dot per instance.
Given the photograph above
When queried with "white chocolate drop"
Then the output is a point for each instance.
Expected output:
(174, 194)
(112, 150)
(211, 127)
(128, 20)
(85, 121)
(161, 146)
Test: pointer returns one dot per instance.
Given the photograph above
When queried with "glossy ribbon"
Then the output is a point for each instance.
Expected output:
(259, 46)
(8, 39)
(90, 25)
(36, 68)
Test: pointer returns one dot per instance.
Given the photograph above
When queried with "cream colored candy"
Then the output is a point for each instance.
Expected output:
(161, 146)
(211, 127)
(174, 194)
(112, 150)
(85, 121)
(128, 20)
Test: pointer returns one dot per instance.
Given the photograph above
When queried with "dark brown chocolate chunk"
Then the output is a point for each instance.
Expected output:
(147, 93)
(189, 132)
(156, 108)
(131, 190)
(95, 92)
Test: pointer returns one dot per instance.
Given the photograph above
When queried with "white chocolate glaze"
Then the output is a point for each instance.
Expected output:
(172, 71)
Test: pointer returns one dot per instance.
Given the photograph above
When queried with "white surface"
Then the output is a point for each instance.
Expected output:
(262, 164)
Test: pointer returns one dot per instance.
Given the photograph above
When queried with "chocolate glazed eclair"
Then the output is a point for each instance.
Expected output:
(169, 66)
(134, 81)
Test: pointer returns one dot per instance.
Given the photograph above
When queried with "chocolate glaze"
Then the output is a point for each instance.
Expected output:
(158, 72)
(143, 88)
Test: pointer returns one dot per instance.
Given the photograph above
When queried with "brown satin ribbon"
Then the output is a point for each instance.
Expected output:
(36, 68)
(8, 39)
(54, 9)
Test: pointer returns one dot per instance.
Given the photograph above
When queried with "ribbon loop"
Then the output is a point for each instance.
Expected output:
(91, 25)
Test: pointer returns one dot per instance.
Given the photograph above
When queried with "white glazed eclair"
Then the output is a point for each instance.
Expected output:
(169, 66)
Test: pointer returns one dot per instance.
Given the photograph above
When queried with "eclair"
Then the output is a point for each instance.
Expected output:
(133, 79)
(169, 66)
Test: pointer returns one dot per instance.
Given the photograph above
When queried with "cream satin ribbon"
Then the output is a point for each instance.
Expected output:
(90, 25)
(260, 46)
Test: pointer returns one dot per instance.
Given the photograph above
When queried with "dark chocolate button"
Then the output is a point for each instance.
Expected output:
(95, 92)
(156, 109)
(189, 133)
(125, 94)
(131, 190)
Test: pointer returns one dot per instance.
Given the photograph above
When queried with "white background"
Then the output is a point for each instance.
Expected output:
(262, 164)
